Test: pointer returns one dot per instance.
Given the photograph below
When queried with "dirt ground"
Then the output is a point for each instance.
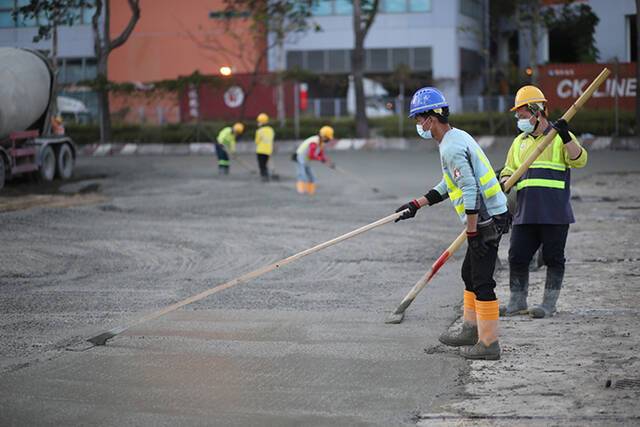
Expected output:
(581, 366)
(307, 344)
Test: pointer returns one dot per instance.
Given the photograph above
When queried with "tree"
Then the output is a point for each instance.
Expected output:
(364, 12)
(273, 23)
(571, 33)
(51, 14)
(104, 45)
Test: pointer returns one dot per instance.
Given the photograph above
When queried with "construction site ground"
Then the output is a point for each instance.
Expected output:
(307, 343)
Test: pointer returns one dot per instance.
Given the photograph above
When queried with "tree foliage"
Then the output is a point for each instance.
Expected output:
(571, 33)
(52, 13)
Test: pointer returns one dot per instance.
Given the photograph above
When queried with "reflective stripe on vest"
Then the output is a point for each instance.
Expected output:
(538, 182)
(484, 179)
(556, 164)
(454, 192)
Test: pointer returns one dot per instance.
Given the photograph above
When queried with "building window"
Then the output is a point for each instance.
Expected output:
(472, 8)
(400, 57)
(339, 61)
(87, 14)
(377, 59)
(421, 59)
(75, 70)
(7, 7)
(380, 60)
(394, 6)
(420, 5)
(322, 8)
(345, 7)
(315, 61)
(294, 60)
(6, 19)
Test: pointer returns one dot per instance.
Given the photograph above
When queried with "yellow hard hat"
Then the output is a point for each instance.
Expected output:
(262, 119)
(238, 128)
(528, 95)
(326, 132)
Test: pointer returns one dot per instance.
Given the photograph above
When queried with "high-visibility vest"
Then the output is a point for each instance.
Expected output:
(264, 140)
(303, 149)
(544, 171)
(487, 182)
(544, 191)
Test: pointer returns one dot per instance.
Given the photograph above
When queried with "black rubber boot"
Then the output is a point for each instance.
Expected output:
(519, 289)
(552, 287)
(467, 336)
(481, 351)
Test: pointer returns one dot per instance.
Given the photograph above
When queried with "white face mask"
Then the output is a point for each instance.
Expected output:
(525, 125)
(426, 134)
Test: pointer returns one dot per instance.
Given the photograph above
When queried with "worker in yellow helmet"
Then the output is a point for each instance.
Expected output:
(226, 144)
(543, 211)
(264, 145)
(312, 148)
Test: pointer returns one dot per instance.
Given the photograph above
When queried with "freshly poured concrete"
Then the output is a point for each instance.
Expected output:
(306, 344)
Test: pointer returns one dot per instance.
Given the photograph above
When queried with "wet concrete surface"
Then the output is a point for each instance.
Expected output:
(303, 345)
(306, 344)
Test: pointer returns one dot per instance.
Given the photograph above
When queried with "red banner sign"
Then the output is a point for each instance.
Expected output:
(562, 84)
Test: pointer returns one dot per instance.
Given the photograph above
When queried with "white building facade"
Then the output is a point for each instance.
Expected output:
(443, 40)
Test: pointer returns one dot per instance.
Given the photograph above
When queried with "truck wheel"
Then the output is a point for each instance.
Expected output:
(48, 164)
(65, 162)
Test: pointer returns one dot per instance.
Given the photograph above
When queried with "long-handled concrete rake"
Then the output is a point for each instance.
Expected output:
(243, 164)
(102, 338)
(355, 177)
(398, 314)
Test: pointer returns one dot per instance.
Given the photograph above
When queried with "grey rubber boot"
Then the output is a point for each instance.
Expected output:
(519, 289)
(481, 351)
(467, 336)
(552, 287)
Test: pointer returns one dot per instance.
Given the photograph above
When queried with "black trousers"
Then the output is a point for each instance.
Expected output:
(527, 238)
(263, 159)
(477, 273)
(223, 156)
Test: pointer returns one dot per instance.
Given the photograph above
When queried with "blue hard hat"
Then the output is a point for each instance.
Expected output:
(425, 99)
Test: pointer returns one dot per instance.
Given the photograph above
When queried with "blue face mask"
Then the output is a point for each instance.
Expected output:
(426, 134)
(525, 125)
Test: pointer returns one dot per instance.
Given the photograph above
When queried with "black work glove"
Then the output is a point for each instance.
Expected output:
(412, 206)
(502, 183)
(562, 127)
(477, 245)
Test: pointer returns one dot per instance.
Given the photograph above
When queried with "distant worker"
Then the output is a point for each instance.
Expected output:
(226, 145)
(312, 148)
(264, 145)
(543, 211)
(470, 182)
(57, 125)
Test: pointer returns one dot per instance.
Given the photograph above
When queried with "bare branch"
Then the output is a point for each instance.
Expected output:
(95, 22)
(371, 16)
(134, 5)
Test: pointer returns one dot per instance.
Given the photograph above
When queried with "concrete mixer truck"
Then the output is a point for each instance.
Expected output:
(26, 143)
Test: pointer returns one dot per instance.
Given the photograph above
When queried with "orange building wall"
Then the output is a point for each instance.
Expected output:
(175, 38)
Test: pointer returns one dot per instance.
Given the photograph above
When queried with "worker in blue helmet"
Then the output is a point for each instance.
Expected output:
(469, 181)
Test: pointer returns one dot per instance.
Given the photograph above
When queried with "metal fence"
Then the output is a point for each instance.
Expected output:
(327, 107)
(385, 106)
(483, 104)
